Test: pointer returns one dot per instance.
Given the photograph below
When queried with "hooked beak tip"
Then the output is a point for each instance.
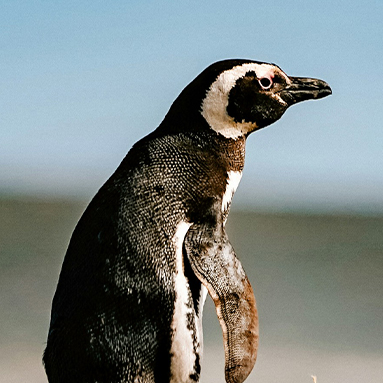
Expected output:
(302, 89)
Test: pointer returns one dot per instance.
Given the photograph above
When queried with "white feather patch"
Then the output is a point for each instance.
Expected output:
(233, 179)
(201, 302)
(183, 356)
(217, 98)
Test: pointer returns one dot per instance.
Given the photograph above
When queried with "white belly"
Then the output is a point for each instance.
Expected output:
(186, 336)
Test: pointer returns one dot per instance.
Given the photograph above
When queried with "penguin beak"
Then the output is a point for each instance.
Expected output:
(302, 89)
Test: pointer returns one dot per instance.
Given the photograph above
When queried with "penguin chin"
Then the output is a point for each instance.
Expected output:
(258, 117)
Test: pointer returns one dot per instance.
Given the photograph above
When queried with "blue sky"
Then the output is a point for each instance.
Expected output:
(82, 81)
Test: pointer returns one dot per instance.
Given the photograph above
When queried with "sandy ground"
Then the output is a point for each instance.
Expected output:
(318, 281)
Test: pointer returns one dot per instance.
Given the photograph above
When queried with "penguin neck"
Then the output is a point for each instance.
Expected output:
(230, 152)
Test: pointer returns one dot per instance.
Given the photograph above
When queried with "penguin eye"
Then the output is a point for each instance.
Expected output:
(265, 83)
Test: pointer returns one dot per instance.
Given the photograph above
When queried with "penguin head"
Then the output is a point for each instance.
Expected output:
(251, 95)
(237, 97)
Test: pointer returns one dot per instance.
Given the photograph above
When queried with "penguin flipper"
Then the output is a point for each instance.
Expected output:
(215, 264)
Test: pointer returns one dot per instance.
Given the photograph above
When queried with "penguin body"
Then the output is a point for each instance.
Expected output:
(152, 243)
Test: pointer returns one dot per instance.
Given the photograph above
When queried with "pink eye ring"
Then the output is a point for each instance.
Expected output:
(265, 83)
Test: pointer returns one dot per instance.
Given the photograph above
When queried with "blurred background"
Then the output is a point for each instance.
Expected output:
(81, 82)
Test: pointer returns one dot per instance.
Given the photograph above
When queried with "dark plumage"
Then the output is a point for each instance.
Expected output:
(128, 304)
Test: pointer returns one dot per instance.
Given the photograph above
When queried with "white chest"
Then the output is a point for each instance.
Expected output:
(233, 179)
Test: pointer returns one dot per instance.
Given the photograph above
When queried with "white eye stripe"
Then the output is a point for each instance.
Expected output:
(214, 105)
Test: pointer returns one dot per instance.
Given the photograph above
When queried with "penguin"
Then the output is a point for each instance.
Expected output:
(152, 242)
